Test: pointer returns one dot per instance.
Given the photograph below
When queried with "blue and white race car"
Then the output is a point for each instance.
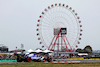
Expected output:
(33, 57)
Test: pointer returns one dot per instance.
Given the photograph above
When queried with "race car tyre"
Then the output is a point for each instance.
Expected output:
(49, 59)
(29, 59)
(25, 60)
(19, 59)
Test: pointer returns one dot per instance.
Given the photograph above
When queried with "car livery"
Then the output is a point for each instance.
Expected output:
(33, 57)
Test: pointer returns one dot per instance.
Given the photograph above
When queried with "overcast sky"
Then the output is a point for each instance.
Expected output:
(18, 20)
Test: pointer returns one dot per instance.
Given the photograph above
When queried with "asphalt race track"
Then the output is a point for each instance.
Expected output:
(76, 61)
(66, 61)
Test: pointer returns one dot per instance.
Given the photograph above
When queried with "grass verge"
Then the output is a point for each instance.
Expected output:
(40, 64)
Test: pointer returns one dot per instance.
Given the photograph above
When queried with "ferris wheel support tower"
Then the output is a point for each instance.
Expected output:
(60, 42)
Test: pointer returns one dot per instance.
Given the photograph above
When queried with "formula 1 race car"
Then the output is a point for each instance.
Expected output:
(33, 57)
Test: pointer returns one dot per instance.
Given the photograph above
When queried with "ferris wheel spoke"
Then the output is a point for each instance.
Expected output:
(47, 26)
(72, 37)
(45, 21)
(49, 21)
(72, 34)
(46, 36)
(73, 31)
(47, 29)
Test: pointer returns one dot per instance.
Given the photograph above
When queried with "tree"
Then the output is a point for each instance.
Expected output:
(88, 49)
(79, 50)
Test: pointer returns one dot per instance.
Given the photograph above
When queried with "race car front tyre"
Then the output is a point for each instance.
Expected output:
(19, 59)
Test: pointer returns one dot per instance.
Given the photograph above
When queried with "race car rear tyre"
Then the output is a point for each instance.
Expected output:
(29, 59)
(49, 59)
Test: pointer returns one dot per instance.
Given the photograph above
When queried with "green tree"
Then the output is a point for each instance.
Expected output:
(88, 49)
(80, 50)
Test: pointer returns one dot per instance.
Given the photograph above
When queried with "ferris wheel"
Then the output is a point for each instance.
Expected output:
(59, 28)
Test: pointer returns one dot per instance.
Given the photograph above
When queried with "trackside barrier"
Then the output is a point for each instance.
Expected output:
(81, 58)
(93, 58)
